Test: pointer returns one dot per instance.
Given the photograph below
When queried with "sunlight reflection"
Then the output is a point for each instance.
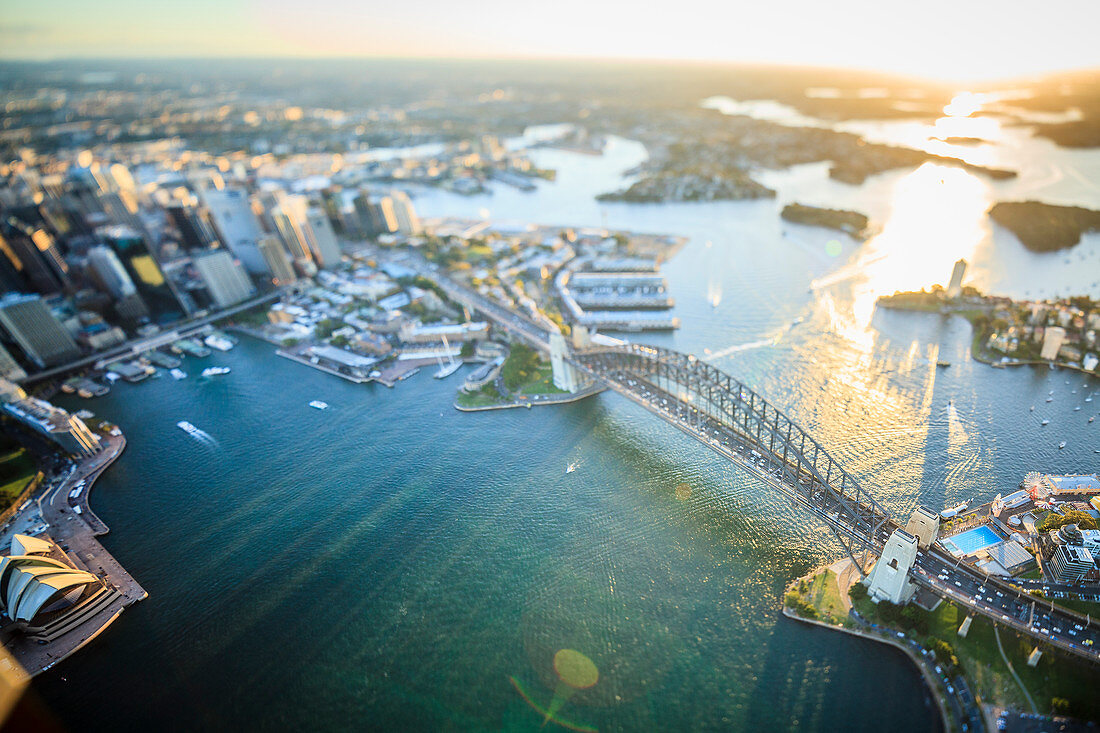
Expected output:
(937, 216)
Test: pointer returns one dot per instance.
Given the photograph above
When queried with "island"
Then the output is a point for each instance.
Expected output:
(961, 140)
(1045, 227)
(852, 223)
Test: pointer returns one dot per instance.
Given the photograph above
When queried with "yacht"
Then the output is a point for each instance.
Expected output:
(1077, 409)
(1062, 445)
(213, 371)
(1050, 399)
(178, 373)
(1044, 422)
(219, 342)
(572, 468)
(1092, 418)
(446, 370)
(317, 404)
(1033, 408)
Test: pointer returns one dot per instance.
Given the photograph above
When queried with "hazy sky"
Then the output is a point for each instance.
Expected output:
(945, 39)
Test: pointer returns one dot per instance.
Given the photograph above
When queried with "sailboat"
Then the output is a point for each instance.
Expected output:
(446, 370)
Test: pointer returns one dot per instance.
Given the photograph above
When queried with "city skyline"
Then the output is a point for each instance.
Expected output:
(976, 42)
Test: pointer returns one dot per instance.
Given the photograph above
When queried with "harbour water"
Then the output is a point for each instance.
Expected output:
(393, 563)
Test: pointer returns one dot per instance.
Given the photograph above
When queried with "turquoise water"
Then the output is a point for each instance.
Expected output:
(972, 540)
(391, 563)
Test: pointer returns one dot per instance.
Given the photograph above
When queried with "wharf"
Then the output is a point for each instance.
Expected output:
(77, 533)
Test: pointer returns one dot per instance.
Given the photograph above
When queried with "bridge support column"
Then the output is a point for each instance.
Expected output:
(889, 578)
(924, 525)
(565, 375)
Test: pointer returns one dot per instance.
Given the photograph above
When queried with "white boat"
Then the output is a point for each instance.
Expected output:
(1092, 418)
(189, 428)
(446, 370)
(1062, 445)
(319, 405)
(178, 373)
(1033, 408)
(1050, 399)
(85, 414)
(1045, 422)
(213, 371)
(221, 343)
(572, 468)
(1077, 409)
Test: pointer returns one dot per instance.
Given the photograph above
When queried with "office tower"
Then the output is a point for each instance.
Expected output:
(282, 269)
(237, 226)
(195, 232)
(407, 220)
(9, 368)
(954, 289)
(322, 239)
(385, 216)
(33, 328)
(224, 278)
(11, 268)
(42, 264)
(145, 272)
(1053, 337)
(108, 271)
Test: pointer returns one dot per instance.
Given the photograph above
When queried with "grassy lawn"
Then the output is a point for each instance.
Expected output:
(541, 383)
(484, 397)
(823, 594)
(1034, 574)
(16, 469)
(1056, 675)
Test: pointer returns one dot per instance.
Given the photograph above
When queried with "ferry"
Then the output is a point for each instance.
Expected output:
(190, 429)
(178, 374)
(318, 404)
(214, 371)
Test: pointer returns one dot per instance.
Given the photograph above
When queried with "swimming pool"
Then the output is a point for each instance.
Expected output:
(972, 540)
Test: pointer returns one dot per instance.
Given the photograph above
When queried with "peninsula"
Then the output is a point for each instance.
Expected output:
(852, 223)
(1045, 227)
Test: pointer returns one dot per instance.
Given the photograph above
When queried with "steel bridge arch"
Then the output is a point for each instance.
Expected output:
(711, 396)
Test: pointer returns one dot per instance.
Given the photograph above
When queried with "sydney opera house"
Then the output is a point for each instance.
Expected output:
(36, 587)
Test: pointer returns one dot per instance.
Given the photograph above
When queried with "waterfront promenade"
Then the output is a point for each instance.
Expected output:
(76, 535)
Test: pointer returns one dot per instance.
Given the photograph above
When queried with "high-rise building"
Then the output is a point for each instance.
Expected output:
(156, 291)
(195, 232)
(107, 269)
(9, 367)
(225, 279)
(1071, 563)
(33, 328)
(237, 226)
(322, 239)
(282, 269)
(38, 255)
(407, 220)
(1053, 337)
(954, 288)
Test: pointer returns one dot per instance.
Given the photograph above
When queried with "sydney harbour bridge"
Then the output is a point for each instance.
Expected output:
(737, 423)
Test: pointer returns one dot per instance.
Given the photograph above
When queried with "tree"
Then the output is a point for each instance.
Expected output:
(1054, 520)
(340, 341)
(467, 350)
(857, 592)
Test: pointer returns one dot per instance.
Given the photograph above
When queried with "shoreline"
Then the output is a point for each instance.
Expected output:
(565, 399)
(931, 679)
(78, 533)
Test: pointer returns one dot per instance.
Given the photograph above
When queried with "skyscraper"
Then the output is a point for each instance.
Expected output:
(237, 226)
(195, 232)
(1053, 337)
(41, 261)
(954, 288)
(109, 272)
(33, 328)
(145, 272)
(322, 239)
(282, 270)
(225, 279)
(407, 220)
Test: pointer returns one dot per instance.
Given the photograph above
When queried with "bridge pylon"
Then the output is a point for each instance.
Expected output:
(566, 376)
(889, 578)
